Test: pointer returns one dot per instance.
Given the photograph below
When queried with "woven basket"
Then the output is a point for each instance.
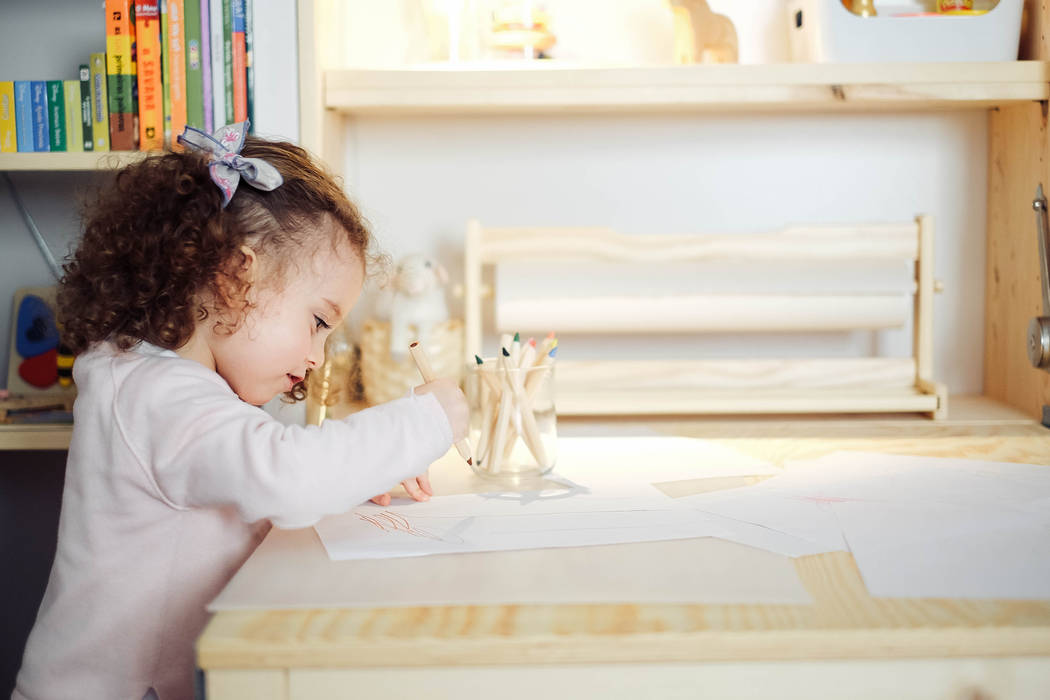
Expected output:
(385, 379)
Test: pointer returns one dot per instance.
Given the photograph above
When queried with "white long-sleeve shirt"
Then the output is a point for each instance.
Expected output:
(171, 482)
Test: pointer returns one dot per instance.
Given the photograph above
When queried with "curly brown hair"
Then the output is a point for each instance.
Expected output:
(156, 237)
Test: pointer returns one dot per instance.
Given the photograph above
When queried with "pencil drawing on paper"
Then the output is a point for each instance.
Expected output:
(392, 522)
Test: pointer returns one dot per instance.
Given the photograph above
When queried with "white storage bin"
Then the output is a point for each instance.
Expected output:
(823, 31)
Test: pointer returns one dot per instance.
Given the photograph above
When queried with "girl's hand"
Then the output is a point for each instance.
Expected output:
(419, 489)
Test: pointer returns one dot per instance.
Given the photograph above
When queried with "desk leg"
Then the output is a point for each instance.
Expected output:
(248, 684)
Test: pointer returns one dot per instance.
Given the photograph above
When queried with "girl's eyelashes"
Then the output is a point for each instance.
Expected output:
(320, 323)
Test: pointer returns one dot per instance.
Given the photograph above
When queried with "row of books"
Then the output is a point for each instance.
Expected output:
(166, 64)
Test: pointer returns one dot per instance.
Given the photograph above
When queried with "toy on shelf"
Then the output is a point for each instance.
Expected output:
(37, 365)
(701, 36)
(521, 29)
(417, 303)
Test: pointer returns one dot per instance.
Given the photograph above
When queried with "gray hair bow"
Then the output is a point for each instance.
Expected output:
(228, 166)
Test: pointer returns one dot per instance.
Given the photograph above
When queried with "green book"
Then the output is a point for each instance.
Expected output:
(227, 58)
(194, 76)
(85, 107)
(56, 115)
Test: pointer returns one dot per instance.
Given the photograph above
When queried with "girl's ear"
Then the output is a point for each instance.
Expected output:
(248, 265)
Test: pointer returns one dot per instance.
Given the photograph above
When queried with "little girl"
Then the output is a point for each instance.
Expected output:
(205, 284)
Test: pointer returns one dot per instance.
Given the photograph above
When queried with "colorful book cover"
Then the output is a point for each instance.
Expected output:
(165, 35)
(24, 114)
(148, 60)
(249, 61)
(194, 72)
(56, 115)
(206, 90)
(134, 80)
(86, 131)
(99, 103)
(240, 76)
(71, 115)
(8, 123)
(41, 138)
(218, 89)
(120, 75)
(176, 60)
(227, 60)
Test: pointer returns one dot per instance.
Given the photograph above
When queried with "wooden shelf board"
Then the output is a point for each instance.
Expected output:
(35, 437)
(69, 161)
(883, 86)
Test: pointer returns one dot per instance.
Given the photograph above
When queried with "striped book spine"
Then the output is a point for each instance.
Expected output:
(99, 103)
(227, 60)
(194, 72)
(41, 139)
(87, 134)
(240, 76)
(249, 61)
(71, 116)
(147, 49)
(24, 114)
(176, 60)
(119, 75)
(56, 115)
(8, 123)
(206, 89)
(218, 90)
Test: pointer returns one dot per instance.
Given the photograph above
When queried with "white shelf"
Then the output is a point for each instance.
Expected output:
(789, 86)
(35, 437)
(109, 160)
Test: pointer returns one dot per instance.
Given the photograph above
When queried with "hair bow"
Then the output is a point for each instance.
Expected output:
(228, 166)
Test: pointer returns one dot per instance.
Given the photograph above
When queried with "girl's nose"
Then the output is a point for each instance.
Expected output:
(316, 355)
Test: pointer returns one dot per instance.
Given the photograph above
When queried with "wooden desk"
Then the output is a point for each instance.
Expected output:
(846, 644)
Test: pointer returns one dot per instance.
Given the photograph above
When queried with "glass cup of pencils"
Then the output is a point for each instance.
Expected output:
(513, 424)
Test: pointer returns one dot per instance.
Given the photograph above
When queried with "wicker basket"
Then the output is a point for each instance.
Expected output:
(385, 378)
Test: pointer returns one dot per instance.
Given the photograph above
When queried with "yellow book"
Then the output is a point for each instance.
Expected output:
(74, 134)
(8, 133)
(99, 102)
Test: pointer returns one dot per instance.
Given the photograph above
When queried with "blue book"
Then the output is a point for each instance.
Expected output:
(24, 115)
(41, 134)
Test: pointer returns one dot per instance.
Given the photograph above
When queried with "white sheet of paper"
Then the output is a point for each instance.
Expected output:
(400, 532)
(938, 550)
(290, 570)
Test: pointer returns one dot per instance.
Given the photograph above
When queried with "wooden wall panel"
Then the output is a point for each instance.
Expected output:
(1017, 163)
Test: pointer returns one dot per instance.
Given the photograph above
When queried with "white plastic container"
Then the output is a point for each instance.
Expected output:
(823, 31)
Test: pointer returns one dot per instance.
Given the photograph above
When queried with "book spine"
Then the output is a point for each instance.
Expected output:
(99, 103)
(206, 89)
(24, 114)
(71, 116)
(165, 51)
(134, 80)
(194, 72)
(56, 116)
(249, 60)
(87, 133)
(8, 122)
(147, 40)
(41, 139)
(240, 76)
(177, 67)
(119, 75)
(227, 60)
(218, 91)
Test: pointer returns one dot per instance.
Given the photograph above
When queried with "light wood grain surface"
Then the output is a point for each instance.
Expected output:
(843, 622)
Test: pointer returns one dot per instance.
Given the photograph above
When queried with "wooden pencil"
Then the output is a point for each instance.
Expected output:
(423, 363)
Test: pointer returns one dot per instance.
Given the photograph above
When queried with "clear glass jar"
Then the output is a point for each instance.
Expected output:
(513, 422)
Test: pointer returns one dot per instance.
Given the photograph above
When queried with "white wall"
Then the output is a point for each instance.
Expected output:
(419, 179)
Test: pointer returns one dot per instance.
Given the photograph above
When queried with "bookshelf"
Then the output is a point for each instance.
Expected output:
(71, 162)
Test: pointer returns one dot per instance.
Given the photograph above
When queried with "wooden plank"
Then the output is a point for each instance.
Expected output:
(247, 684)
(1017, 138)
(111, 160)
(780, 86)
(911, 679)
(35, 437)
(820, 243)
